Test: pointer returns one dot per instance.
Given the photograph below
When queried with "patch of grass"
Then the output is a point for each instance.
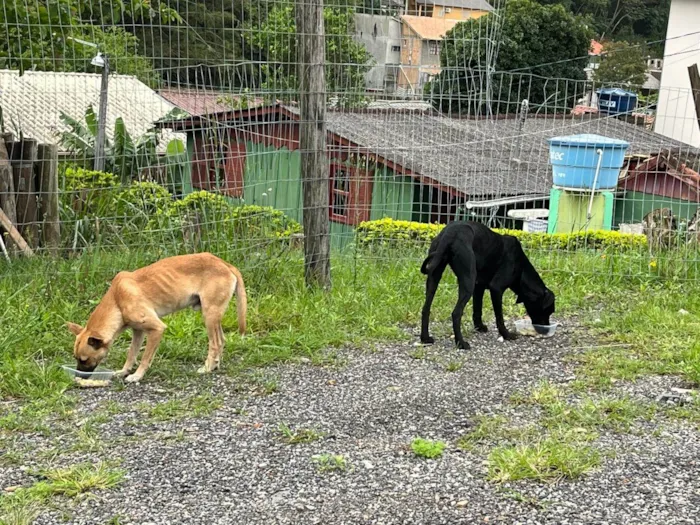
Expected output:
(454, 366)
(547, 460)
(36, 416)
(330, 462)
(174, 409)
(486, 428)
(495, 429)
(264, 385)
(425, 448)
(616, 414)
(299, 435)
(418, 353)
(543, 393)
(23, 505)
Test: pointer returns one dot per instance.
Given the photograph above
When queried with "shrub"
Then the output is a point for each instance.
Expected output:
(88, 192)
(204, 215)
(265, 220)
(393, 233)
(142, 197)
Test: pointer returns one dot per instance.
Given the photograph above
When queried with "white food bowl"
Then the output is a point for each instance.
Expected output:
(95, 375)
(525, 327)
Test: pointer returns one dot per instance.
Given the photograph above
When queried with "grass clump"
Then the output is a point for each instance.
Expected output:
(330, 462)
(299, 435)
(25, 504)
(547, 460)
(174, 409)
(425, 448)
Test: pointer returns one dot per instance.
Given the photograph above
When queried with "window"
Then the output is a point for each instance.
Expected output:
(340, 198)
(395, 49)
(350, 195)
(434, 47)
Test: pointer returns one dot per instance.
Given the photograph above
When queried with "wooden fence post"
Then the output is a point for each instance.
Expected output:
(23, 157)
(312, 141)
(48, 196)
(7, 187)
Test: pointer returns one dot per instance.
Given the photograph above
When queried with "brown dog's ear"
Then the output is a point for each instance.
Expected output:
(74, 328)
(95, 342)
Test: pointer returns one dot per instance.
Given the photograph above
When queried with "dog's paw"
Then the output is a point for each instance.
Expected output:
(427, 340)
(510, 336)
(122, 374)
(481, 328)
(463, 345)
(133, 378)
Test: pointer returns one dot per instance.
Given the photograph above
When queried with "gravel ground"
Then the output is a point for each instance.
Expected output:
(232, 467)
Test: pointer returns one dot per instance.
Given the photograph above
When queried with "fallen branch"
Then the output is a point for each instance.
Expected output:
(6, 223)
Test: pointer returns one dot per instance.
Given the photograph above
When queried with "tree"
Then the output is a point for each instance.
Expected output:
(632, 20)
(347, 61)
(622, 63)
(42, 34)
(540, 50)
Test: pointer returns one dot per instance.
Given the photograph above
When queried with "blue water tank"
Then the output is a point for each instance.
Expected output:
(615, 101)
(574, 161)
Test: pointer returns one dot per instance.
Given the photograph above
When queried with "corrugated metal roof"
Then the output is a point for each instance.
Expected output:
(32, 103)
(480, 5)
(428, 28)
(475, 157)
(201, 101)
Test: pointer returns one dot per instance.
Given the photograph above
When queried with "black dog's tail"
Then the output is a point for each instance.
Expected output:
(435, 258)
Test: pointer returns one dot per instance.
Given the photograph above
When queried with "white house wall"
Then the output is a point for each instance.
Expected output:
(675, 116)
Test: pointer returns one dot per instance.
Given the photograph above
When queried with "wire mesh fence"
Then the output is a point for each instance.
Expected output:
(428, 119)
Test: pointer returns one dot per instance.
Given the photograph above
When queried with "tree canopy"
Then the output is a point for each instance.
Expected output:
(622, 63)
(538, 45)
(631, 20)
(347, 61)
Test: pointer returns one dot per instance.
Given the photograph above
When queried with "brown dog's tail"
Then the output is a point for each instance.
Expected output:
(241, 300)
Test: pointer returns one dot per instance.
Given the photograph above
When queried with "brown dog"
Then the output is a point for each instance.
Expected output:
(139, 299)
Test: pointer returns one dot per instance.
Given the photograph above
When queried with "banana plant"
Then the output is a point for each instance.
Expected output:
(125, 156)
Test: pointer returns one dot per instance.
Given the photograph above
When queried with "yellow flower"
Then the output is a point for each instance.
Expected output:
(652, 264)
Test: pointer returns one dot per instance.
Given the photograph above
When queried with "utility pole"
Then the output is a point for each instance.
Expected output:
(312, 142)
(695, 88)
(102, 60)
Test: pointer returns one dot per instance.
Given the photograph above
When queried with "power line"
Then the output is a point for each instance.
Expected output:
(586, 56)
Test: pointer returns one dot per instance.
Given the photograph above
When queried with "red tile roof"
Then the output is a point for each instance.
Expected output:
(596, 48)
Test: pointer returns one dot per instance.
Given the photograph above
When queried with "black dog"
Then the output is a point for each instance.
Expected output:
(482, 259)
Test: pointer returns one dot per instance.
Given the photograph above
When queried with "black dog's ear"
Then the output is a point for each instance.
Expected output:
(95, 342)
(519, 299)
(548, 299)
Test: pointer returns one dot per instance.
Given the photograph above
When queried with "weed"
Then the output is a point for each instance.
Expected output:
(174, 409)
(547, 460)
(454, 366)
(533, 501)
(330, 462)
(543, 394)
(425, 448)
(418, 353)
(609, 413)
(299, 435)
(264, 385)
(24, 504)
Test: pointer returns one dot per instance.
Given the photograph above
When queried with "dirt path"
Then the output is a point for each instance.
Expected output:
(233, 465)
